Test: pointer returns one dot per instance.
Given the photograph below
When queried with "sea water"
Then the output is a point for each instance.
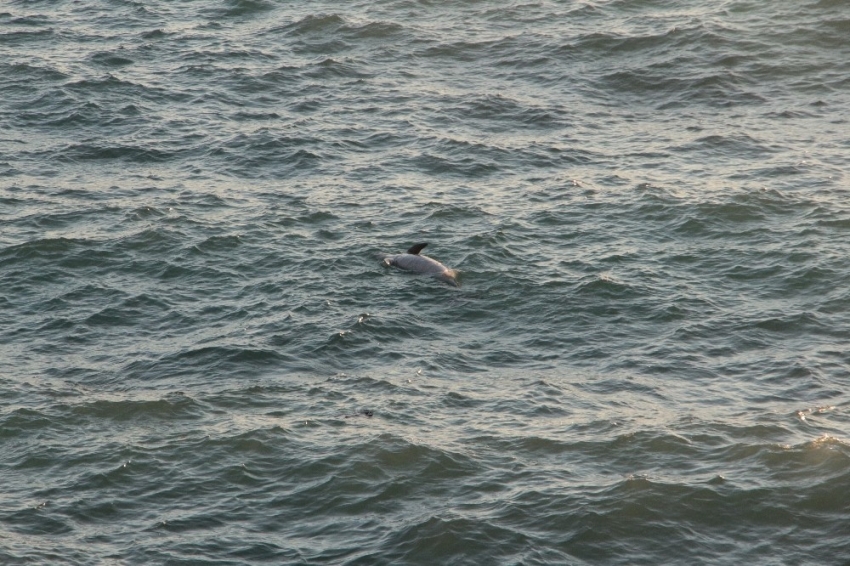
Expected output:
(203, 360)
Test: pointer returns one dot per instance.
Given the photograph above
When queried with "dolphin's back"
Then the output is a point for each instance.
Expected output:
(418, 263)
(424, 265)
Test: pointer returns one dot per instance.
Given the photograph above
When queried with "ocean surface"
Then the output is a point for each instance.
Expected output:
(203, 360)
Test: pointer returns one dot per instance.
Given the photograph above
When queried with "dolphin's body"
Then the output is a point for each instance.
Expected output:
(412, 261)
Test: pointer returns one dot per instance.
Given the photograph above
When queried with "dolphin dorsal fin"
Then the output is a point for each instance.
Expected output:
(417, 248)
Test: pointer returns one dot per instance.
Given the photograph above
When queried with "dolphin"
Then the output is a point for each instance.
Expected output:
(412, 261)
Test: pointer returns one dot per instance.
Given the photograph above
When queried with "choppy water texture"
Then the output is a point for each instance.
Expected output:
(202, 360)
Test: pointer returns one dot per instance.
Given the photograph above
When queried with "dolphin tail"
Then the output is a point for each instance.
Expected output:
(450, 276)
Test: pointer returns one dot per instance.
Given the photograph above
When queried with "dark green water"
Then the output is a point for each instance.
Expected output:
(202, 360)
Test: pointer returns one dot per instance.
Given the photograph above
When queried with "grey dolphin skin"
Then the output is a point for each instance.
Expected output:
(412, 261)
